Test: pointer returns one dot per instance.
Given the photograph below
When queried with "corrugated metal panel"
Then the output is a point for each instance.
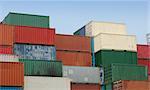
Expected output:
(11, 88)
(145, 62)
(117, 72)
(6, 50)
(74, 58)
(94, 28)
(103, 87)
(107, 57)
(82, 74)
(20, 19)
(85, 87)
(80, 32)
(131, 85)
(6, 34)
(42, 68)
(11, 74)
(102, 75)
(93, 54)
(46, 83)
(33, 35)
(37, 52)
(8, 58)
(143, 51)
(73, 43)
(115, 42)
(109, 86)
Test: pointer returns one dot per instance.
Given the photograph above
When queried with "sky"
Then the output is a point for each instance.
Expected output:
(69, 16)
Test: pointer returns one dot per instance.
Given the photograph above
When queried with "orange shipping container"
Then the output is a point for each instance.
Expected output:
(72, 43)
(33, 35)
(11, 74)
(131, 85)
(6, 34)
(73, 58)
(85, 87)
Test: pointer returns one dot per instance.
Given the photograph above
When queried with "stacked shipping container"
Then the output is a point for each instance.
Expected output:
(144, 56)
(111, 44)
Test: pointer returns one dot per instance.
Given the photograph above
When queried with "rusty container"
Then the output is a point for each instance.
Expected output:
(72, 43)
(73, 58)
(85, 86)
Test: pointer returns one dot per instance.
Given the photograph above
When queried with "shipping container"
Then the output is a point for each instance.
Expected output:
(131, 85)
(94, 28)
(85, 86)
(80, 32)
(42, 68)
(47, 83)
(115, 72)
(11, 74)
(143, 51)
(36, 52)
(82, 74)
(11, 88)
(6, 34)
(6, 50)
(21, 19)
(73, 58)
(109, 86)
(145, 62)
(72, 43)
(103, 87)
(107, 57)
(33, 35)
(93, 54)
(114, 42)
(149, 77)
(8, 58)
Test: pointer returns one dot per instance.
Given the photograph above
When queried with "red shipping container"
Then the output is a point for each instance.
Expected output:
(11, 74)
(33, 35)
(145, 62)
(85, 87)
(73, 43)
(73, 58)
(131, 85)
(143, 51)
(6, 50)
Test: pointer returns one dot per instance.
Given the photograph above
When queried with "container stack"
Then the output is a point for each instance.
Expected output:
(32, 41)
(144, 56)
(115, 52)
(75, 54)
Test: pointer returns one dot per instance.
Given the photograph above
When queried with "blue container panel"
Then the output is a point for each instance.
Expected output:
(11, 88)
(36, 52)
(93, 55)
(80, 32)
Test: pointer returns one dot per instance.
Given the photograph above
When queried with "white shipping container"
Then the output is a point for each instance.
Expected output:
(94, 28)
(46, 83)
(115, 42)
(8, 58)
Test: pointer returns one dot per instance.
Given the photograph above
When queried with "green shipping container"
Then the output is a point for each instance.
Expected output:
(107, 57)
(109, 86)
(27, 20)
(116, 72)
(42, 68)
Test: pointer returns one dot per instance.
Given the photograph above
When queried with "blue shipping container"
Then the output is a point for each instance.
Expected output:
(11, 88)
(80, 32)
(36, 52)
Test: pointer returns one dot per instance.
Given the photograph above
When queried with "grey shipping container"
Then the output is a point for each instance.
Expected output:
(36, 52)
(82, 74)
(115, 72)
